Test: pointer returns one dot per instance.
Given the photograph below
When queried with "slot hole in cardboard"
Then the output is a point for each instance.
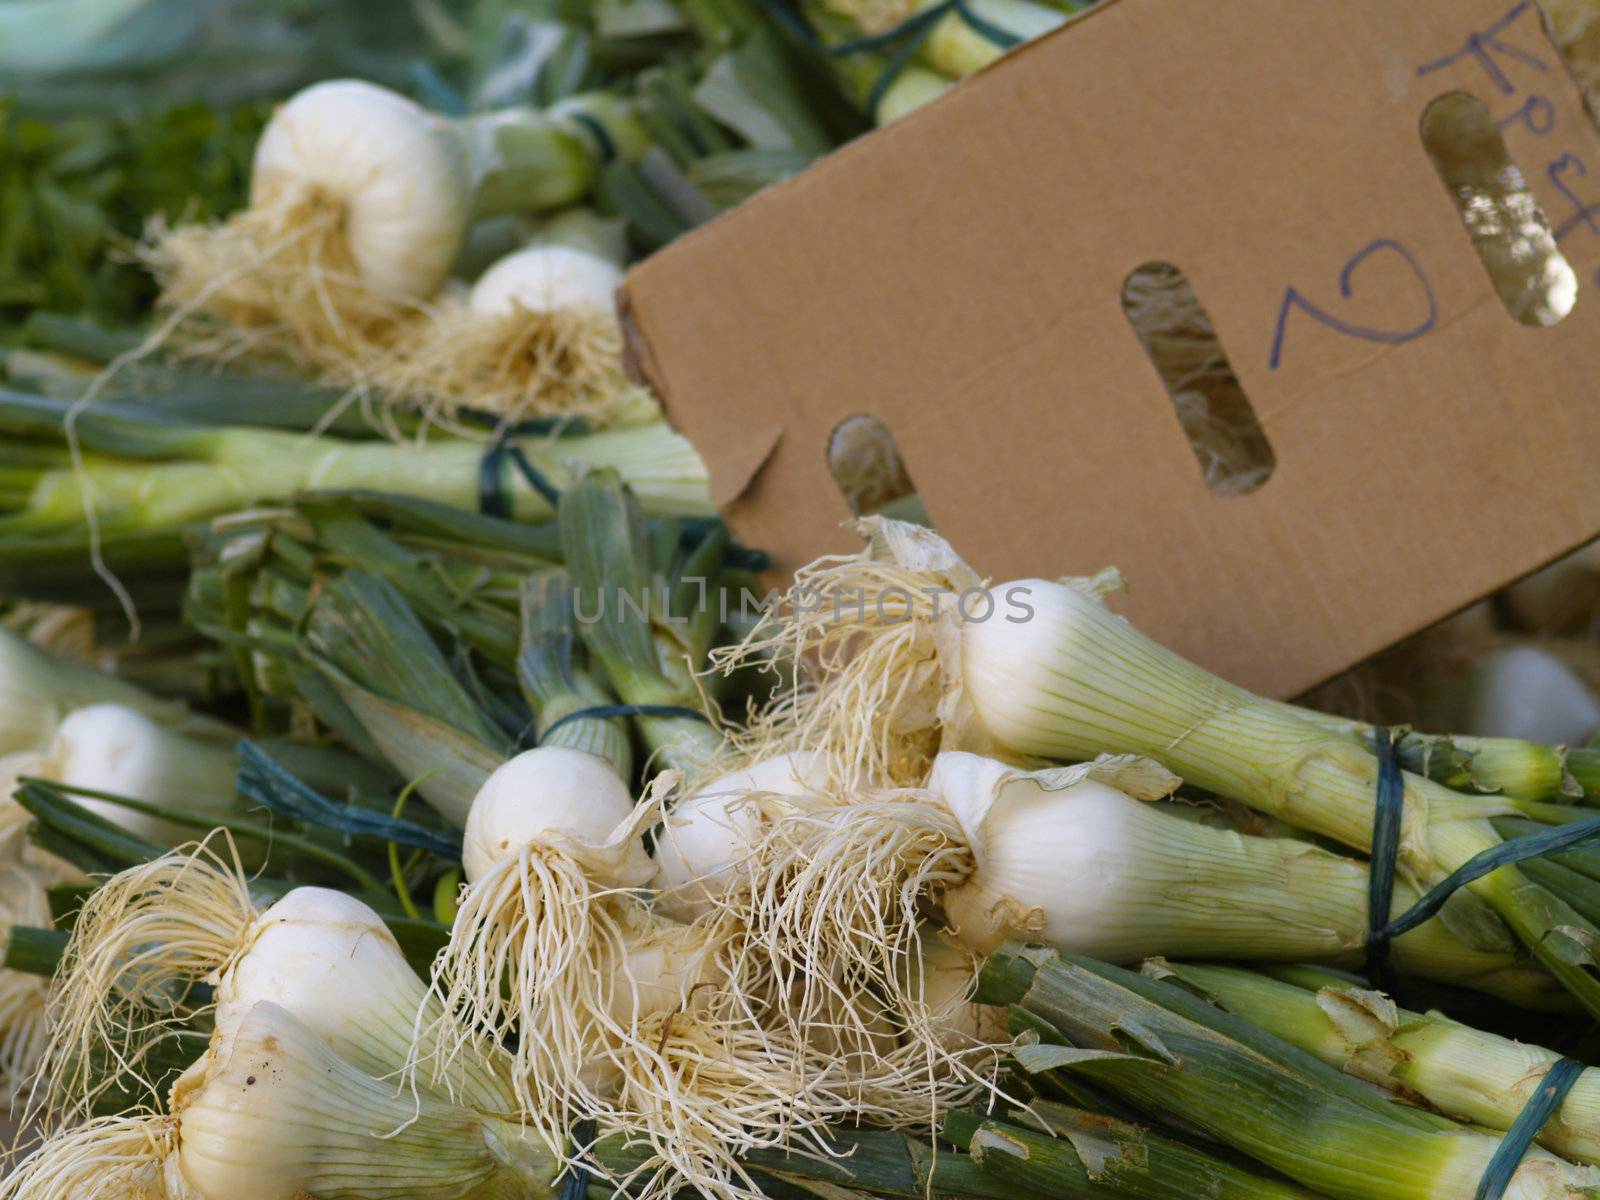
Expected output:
(866, 465)
(1508, 228)
(1177, 335)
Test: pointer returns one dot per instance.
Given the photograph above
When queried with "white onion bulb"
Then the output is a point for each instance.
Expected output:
(563, 798)
(949, 976)
(1068, 856)
(113, 748)
(399, 172)
(272, 1113)
(545, 279)
(706, 835)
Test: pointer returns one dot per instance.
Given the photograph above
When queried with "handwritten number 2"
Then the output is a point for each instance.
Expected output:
(1293, 299)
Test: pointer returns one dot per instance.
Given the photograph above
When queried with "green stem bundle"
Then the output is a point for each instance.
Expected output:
(1160, 1048)
(1466, 1073)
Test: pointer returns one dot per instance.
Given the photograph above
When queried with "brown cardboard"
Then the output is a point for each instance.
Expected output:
(959, 274)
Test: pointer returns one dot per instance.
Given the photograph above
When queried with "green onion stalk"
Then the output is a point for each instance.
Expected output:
(144, 482)
(1468, 1074)
(1044, 669)
(434, 639)
(1167, 1053)
(648, 612)
(334, 629)
(866, 77)
(556, 680)
(956, 47)
(1511, 767)
(1053, 1149)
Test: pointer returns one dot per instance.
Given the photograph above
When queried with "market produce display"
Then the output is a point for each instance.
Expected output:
(410, 788)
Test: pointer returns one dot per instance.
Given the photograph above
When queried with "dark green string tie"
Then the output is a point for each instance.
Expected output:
(1388, 811)
(1541, 1106)
(906, 38)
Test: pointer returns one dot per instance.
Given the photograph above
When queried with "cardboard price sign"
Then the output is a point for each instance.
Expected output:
(959, 276)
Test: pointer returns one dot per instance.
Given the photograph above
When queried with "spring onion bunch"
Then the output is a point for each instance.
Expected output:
(834, 887)
(144, 942)
(313, 1008)
(1044, 669)
(1170, 1056)
(359, 203)
(145, 483)
(1465, 1073)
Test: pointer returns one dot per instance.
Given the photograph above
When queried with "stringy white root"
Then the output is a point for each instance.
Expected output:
(833, 899)
(708, 1071)
(518, 365)
(274, 283)
(110, 1158)
(141, 941)
(696, 1076)
(528, 952)
(872, 644)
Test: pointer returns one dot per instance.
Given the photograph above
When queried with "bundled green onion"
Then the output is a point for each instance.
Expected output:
(1168, 1054)
(359, 204)
(833, 886)
(1465, 1073)
(314, 1008)
(147, 938)
(145, 481)
(1038, 668)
